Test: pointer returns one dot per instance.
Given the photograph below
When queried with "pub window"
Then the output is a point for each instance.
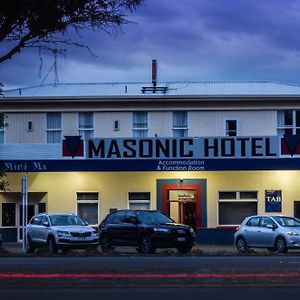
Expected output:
(180, 124)
(53, 127)
(231, 128)
(234, 206)
(8, 214)
(288, 122)
(140, 124)
(86, 125)
(87, 207)
(139, 200)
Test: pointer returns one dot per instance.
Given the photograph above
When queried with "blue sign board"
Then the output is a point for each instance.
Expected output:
(273, 200)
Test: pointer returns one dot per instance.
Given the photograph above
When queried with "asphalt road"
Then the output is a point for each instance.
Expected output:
(150, 277)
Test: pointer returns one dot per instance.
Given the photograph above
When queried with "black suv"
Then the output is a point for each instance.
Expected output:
(146, 229)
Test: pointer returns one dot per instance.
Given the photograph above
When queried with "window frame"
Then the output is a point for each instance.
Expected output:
(139, 131)
(141, 201)
(56, 129)
(238, 199)
(180, 128)
(86, 131)
(227, 131)
(91, 201)
(281, 128)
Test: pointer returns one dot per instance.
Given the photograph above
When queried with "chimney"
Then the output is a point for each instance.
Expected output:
(154, 72)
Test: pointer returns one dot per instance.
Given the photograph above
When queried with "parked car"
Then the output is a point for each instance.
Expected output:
(59, 231)
(276, 233)
(145, 229)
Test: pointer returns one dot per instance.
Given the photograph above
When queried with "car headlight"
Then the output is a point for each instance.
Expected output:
(191, 230)
(61, 232)
(158, 229)
(292, 233)
(95, 231)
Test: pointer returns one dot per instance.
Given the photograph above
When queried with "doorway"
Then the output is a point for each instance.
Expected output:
(297, 209)
(183, 204)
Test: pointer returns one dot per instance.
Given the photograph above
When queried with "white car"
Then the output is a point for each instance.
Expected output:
(276, 233)
(59, 231)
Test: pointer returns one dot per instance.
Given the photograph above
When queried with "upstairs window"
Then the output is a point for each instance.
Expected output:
(180, 124)
(53, 127)
(231, 128)
(1, 135)
(288, 122)
(86, 125)
(140, 124)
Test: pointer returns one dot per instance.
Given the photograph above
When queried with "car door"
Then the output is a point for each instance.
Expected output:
(250, 230)
(131, 231)
(266, 232)
(32, 228)
(115, 229)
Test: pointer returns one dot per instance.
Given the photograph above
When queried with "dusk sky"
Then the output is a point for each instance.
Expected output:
(192, 40)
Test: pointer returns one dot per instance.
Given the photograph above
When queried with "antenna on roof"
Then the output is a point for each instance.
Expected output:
(54, 68)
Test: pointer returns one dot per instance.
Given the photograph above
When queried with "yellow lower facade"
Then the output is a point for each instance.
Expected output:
(58, 190)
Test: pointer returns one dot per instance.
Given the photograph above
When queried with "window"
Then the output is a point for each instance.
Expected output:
(53, 128)
(87, 207)
(139, 200)
(231, 128)
(8, 214)
(234, 206)
(288, 122)
(86, 125)
(253, 222)
(180, 124)
(1, 135)
(140, 124)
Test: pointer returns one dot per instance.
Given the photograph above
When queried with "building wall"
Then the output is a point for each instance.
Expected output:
(113, 188)
(200, 123)
(17, 132)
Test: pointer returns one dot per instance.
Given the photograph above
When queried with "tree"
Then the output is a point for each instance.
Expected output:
(37, 23)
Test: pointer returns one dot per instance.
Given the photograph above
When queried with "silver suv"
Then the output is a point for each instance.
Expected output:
(59, 231)
(276, 233)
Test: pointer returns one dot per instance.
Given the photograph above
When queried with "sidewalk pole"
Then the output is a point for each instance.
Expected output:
(24, 211)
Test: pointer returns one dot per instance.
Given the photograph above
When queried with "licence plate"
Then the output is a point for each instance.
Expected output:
(181, 239)
(82, 238)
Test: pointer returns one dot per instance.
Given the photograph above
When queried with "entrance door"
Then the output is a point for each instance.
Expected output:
(32, 209)
(183, 204)
(297, 209)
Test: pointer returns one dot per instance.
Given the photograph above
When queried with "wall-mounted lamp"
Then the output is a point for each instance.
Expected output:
(181, 180)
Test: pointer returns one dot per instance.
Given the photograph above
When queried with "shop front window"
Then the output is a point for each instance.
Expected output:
(234, 206)
(8, 214)
(139, 200)
(87, 207)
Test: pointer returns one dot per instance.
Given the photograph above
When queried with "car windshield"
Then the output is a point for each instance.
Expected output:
(66, 220)
(153, 217)
(288, 221)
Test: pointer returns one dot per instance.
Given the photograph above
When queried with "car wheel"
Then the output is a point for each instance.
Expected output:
(105, 243)
(184, 249)
(280, 245)
(29, 247)
(52, 245)
(146, 245)
(241, 245)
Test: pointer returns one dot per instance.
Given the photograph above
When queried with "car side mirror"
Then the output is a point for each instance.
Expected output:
(46, 224)
(273, 227)
(86, 224)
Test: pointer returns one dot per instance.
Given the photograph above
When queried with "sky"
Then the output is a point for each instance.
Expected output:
(192, 40)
